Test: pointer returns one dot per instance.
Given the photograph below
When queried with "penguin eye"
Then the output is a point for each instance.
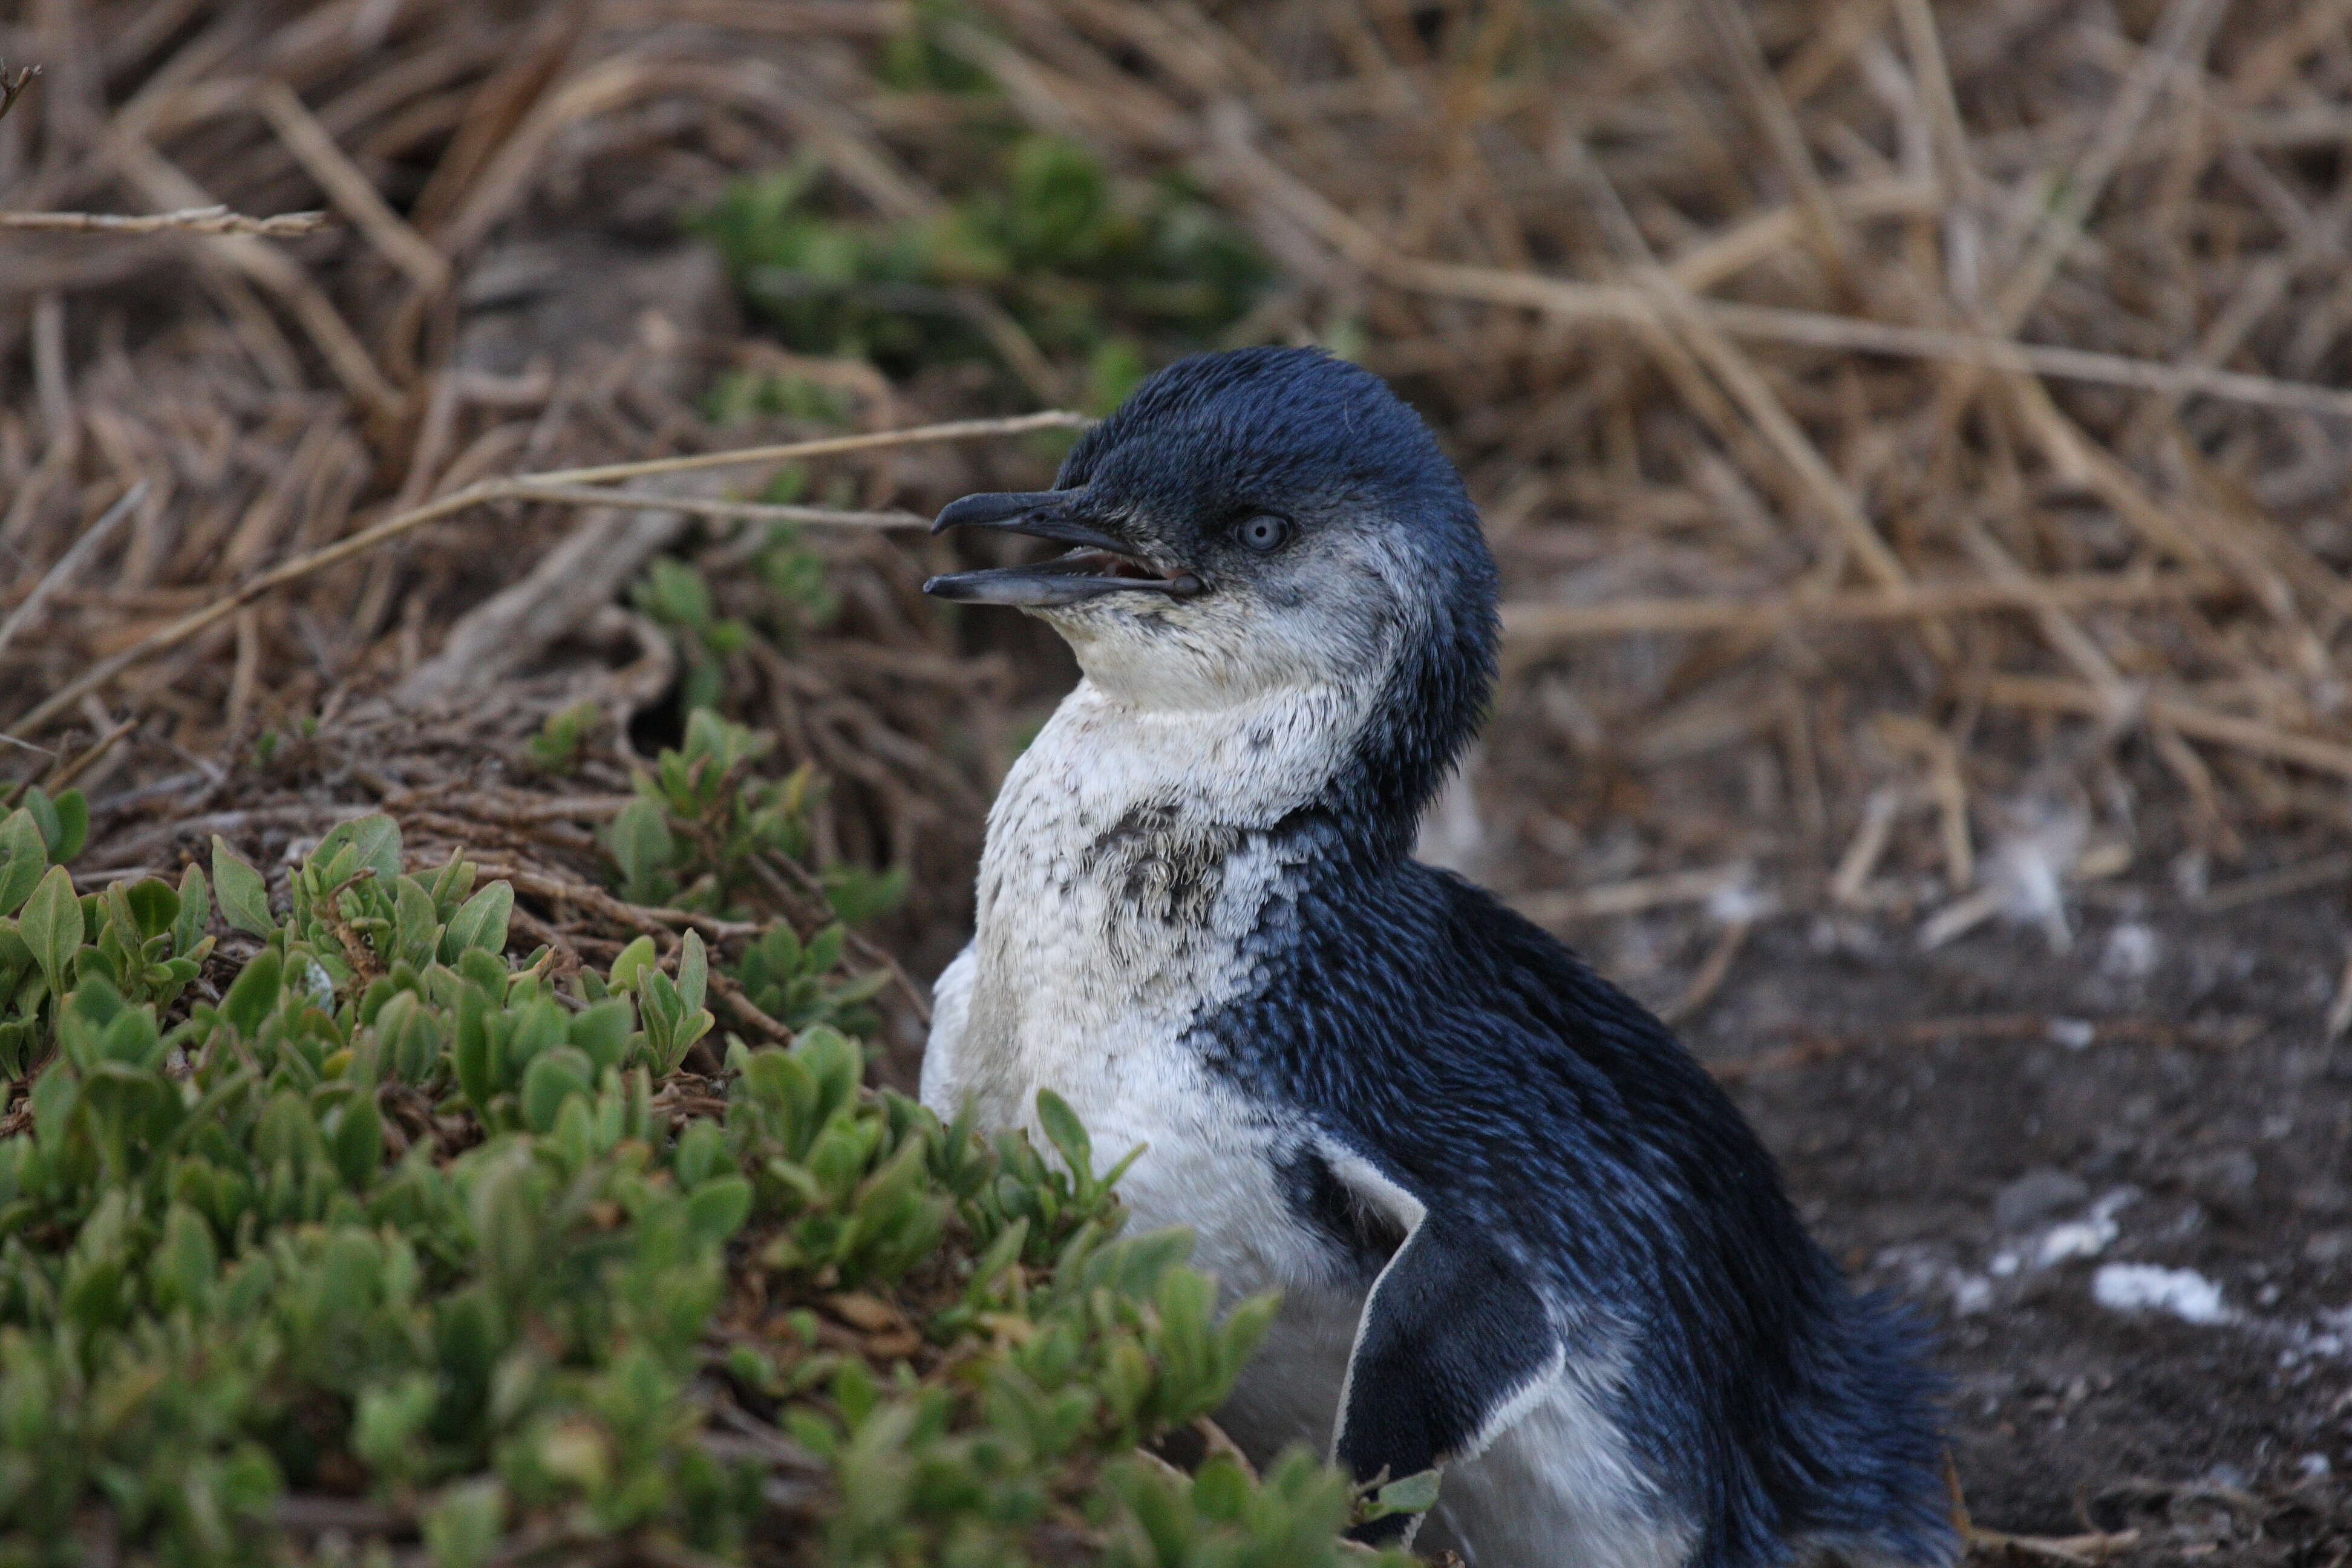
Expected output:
(1263, 532)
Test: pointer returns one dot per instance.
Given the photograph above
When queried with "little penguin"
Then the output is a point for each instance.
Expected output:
(1520, 1236)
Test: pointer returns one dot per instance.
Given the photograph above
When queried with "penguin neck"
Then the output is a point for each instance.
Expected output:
(1246, 766)
(1357, 752)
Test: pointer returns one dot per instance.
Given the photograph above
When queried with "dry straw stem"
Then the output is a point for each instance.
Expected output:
(2180, 38)
(559, 485)
(1712, 972)
(1631, 897)
(2055, 694)
(162, 181)
(2339, 1012)
(725, 510)
(70, 565)
(1533, 629)
(67, 773)
(314, 147)
(2279, 884)
(215, 219)
(1737, 374)
(13, 86)
(1568, 300)
(1860, 861)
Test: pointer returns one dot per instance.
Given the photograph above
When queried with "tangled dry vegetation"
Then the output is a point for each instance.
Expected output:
(1912, 436)
(1811, 567)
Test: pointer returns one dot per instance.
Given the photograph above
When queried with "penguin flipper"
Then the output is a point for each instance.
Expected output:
(1455, 1345)
(945, 1071)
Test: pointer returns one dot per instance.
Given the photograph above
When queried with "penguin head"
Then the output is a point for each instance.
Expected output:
(1257, 520)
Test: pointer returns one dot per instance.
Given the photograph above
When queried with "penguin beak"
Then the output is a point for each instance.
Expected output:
(1100, 562)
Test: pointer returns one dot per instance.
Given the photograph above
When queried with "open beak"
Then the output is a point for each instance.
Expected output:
(1098, 562)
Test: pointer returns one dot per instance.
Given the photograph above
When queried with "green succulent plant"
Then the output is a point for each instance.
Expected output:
(1101, 274)
(702, 815)
(383, 1226)
(556, 749)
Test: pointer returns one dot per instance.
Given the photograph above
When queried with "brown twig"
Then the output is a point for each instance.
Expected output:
(488, 491)
(651, 920)
(64, 774)
(2051, 694)
(758, 1021)
(1628, 897)
(70, 565)
(1531, 627)
(739, 510)
(2279, 884)
(187, 220)
(1710, 976)
(13, 86)
(314, 147)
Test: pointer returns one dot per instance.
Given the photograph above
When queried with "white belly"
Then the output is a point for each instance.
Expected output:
(1120, 881)
(1207, 1155)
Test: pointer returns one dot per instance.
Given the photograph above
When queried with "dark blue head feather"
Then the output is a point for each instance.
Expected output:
(1218, 437)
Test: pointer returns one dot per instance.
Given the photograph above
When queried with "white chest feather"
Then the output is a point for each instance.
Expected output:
(1126, 867)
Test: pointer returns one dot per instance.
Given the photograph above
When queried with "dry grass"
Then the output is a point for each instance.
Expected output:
(1940, 408)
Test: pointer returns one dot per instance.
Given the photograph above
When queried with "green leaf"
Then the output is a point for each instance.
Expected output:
(46, 817)
(1065, 1131)
(462, 1526)
(51, 926)
(631, 962)
(154, 907)
(357, 1144)
(244, 896)
(73, 826)
(480, 923)
(640, 841)
(486, 970)
(717, 1208)
(471, 1055)
(17, 1043)
(451, 882)
(375, 843)
(1221, 1490)
(389, 1417)
(254, 992)
(407, 1038)
(415, 923)
(553, 1076)
(602, 1031)
(693, 971)
(196, 912)
(858, 895)
(24, 858)
(187, 1262)
(1415, 1493)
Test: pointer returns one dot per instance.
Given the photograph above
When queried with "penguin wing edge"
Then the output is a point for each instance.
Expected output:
(943, 1086)
(1454, 1346)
